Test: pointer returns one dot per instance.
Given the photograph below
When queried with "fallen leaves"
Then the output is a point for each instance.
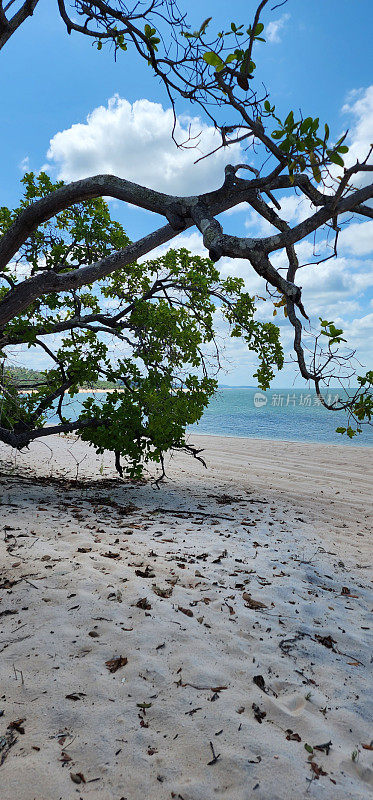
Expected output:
(144, 604)
(77, 777)
(291, 736)
(317, 770)
(145, 573)
(258, 714)
(17, 725)
(187, 611)
(110, 554)
(327, 641)
(255, 605)
(116, 663)
(162, 592)
(75, 696)
(260, 682)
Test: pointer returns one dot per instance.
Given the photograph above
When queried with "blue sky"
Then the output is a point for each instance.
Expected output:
(318, 57)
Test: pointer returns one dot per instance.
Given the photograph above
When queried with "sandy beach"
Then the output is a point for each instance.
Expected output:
(207, 640)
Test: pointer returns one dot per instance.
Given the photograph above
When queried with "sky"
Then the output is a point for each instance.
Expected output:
(75, 112)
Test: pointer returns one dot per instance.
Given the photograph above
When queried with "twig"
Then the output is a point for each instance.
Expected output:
(214, 756)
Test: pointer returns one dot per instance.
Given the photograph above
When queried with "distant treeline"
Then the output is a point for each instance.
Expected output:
(30, 378)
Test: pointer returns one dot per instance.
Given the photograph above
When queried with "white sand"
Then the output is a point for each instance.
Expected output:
(288, 524)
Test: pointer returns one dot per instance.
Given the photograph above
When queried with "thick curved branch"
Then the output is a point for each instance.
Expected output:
(18, 299)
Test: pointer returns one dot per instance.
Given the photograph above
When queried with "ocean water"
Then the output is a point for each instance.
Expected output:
(285, 414)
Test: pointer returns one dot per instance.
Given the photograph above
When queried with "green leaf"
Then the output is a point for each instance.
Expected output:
(336, 159)
(306, 124)
(214, 61)
(258, 29)
(316, 172)
(308, 748)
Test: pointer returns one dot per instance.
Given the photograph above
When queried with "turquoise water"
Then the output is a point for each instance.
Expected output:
(286, 414)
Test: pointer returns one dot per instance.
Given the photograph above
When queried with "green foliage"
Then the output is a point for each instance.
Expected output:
(148, 330)
(331, 332)
(361, 407)
(303, 146)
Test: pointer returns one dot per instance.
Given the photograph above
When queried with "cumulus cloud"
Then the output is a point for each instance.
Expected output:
(274, 28)
(359, 106)
(134, 141)
(357, 238)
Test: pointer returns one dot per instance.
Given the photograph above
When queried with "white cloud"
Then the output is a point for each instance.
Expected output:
(134, 141)
(273, 29)
(359, 105)
(357, 238)
(24, 165)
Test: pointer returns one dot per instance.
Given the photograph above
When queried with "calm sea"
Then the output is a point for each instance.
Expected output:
(286, 414)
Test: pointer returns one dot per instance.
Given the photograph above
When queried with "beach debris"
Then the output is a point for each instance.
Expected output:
(194, 711)
(75, 696)
(110, 554)
(286, 645)
(148, 572)
(214, 756)
(256, 760)
(327, 641)
(226, 499)
(17, 725)
(258, 714)
(143, 706)
(84, 549)
(291, 736)
(116, 663)
(260, 682)
(6, 742)
(309, 748)
(77, 777)
(256, 605)
(115, 596)
(144, 604)
(317, 770)
(324, 747)
(368, 746)
(219, 558)
(167, 592)
(187, 611)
